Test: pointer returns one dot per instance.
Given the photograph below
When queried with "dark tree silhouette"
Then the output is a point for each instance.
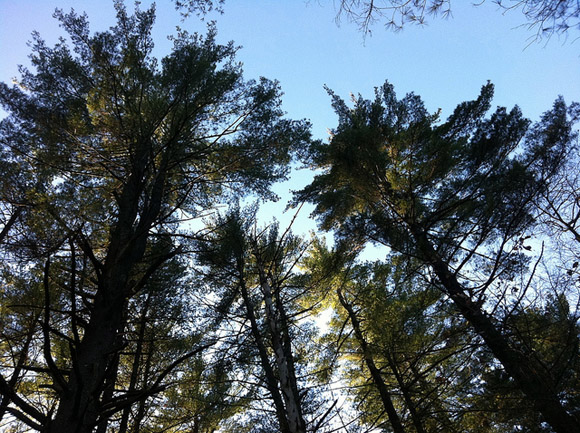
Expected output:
(117, 149)
(457, 196)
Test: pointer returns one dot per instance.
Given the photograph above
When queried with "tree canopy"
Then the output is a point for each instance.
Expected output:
(456, 196)
(115, 149)
(141, 292)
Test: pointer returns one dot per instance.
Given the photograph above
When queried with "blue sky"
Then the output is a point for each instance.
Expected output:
(299, 43)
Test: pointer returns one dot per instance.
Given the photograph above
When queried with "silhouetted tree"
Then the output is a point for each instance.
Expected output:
(119, 149)
(456, 196)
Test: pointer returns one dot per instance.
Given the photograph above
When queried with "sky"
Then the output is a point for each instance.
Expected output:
(299, 43)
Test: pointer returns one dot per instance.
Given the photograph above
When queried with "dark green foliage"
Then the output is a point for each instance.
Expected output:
(109, 150)
(445, 176)
(456, 196)
(118, 314)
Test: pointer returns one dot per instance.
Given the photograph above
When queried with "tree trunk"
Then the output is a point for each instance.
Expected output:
(271, 381)
(284, 361)
(375, 372)
(109, 392)
(417, 422)
(528, 374)
(79, 405)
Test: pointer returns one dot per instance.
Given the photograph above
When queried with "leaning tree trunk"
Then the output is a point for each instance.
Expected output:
(373, 369)
(270, 376)
(532, 379)
(405, 391)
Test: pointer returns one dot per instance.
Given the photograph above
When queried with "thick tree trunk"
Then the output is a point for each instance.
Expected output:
(375, 372)
(79, 405)
(533, 380)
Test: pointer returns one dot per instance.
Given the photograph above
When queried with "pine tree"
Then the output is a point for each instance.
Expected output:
(116, 150)
(458, 196)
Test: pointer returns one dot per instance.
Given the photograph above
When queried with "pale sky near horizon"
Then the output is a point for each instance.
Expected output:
(299, 43)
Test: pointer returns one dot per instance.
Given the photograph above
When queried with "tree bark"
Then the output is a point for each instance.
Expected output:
(534, 381)
(271, 381)
(284, 361)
